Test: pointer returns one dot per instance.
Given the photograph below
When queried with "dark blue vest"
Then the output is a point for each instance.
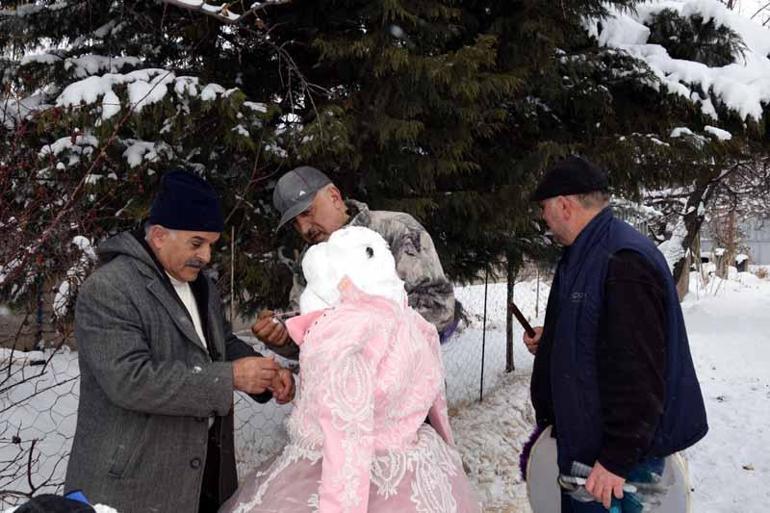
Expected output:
(573, 363)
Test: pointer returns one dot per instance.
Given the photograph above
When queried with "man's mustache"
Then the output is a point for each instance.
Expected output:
(312, 234)
(195, 263)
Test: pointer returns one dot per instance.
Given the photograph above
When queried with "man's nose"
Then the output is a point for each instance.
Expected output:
(302, 225)
(204, 254)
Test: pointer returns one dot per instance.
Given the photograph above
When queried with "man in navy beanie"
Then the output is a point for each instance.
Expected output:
(159, 364)
(613, 373)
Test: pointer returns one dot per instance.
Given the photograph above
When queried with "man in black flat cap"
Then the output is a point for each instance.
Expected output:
(159, 364)
(613, 373)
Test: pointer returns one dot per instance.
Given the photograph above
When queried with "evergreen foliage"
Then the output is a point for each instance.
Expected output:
(447, 109)
(692, 39)
(99, 101)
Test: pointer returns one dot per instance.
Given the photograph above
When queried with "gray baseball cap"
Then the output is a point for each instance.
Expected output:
(295, 191)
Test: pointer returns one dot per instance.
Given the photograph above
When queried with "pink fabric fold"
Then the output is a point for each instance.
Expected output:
(298, 326)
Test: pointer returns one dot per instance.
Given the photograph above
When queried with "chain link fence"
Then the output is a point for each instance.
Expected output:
(39, 398)
(38, 410)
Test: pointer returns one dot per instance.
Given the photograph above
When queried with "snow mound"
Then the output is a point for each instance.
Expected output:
(490, 435)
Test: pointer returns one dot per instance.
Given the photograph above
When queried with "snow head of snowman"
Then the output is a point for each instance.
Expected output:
(355, 252)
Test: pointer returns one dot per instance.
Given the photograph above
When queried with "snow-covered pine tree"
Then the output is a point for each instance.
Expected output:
(98, 99)
(408, 98)
(694, 39)
(446, 109)
(598, 88)
(713, 58)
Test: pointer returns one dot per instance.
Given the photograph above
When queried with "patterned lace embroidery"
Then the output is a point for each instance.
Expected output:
(350, 398)
(341, 377)
(388, 472)
(430, 464)
(292, 453)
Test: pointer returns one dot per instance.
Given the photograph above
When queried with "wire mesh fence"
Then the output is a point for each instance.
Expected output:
(38, 410)
(39, 397)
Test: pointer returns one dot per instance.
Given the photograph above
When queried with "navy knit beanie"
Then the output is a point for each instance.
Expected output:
(54, 504)
(186, 202)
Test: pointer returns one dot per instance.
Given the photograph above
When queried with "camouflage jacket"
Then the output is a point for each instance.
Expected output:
(417, 263)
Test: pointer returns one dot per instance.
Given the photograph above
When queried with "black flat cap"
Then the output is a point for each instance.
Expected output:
(573, 175)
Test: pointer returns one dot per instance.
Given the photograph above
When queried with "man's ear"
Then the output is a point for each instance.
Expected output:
(157, 236)
(336, 196)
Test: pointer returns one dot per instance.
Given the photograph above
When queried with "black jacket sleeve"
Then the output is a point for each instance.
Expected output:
(631, 360)
(540, 385)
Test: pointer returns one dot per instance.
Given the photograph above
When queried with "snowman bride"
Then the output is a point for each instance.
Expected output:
(370, 374)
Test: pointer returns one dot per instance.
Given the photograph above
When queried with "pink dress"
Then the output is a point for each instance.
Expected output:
(370, 374)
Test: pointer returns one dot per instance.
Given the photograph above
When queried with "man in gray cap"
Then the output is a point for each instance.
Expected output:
(314, 206)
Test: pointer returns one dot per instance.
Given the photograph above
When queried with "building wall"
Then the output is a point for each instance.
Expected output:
(757, 240)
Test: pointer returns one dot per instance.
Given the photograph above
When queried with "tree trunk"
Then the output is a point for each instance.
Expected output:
(683, 284)
(694, 214)
(731, 251)
(510, 271)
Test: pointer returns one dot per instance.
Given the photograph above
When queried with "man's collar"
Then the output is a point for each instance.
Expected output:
(176, 283)
(594, 220)
(358, 212)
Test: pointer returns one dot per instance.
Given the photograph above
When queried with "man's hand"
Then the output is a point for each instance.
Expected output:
(283, 386)
(269, 330)
(533, 342)
(254, 374)
(602, 484)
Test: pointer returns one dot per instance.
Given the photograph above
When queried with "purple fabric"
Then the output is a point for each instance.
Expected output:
(448, 331)
(526, 450)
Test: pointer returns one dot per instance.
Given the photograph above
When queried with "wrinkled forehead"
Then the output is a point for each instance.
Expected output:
(201, 237)
(548, 202)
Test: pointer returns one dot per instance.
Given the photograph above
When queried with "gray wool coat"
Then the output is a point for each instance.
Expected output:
(148, 389)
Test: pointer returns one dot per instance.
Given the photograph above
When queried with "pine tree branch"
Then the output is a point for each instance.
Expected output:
(32, 250)
(760, 10)
(222, 12)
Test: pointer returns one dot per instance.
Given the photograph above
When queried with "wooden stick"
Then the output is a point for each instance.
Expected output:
(522, 320)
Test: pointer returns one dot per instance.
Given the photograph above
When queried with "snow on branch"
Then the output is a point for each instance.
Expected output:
(223, 12)
(766, 9)
(29, 9)
(741, 86)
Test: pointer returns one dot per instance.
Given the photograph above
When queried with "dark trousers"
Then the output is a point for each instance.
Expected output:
(570, 505)
(210, 499)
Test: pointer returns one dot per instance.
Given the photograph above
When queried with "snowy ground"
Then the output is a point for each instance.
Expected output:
(730, 337)
(729, 329)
